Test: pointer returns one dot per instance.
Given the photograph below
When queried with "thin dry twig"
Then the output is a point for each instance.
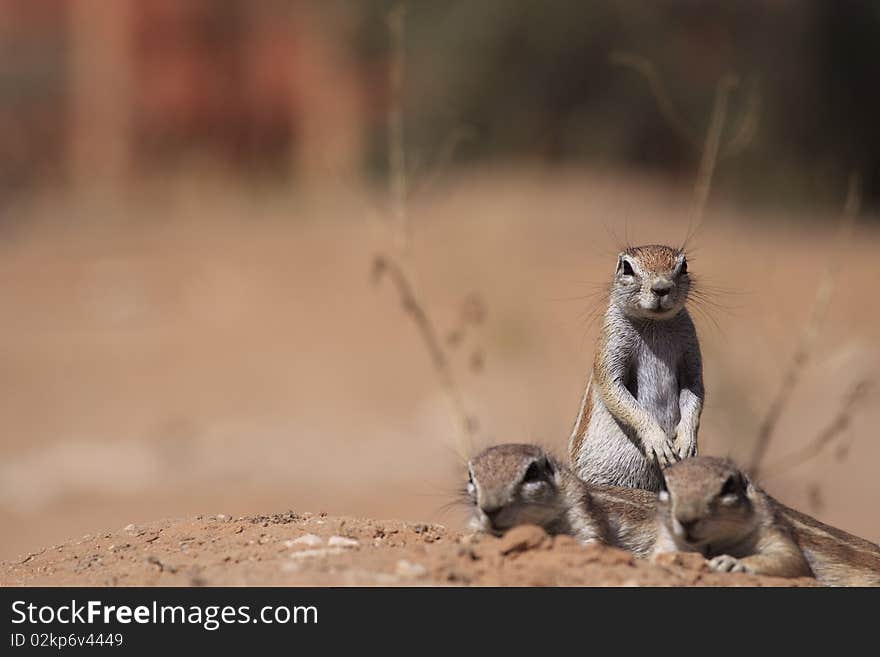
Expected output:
(741, 137)
(709, 159)
(747, 127)
(396, 148)
(384, 266)
(393, 267)
(445, 156)
(804, 350)
(711, 147)
(645, 67)
(836, 427)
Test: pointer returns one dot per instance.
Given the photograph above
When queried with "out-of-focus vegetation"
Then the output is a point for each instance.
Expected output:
(193, 194)
(299, 88)
(535, 78)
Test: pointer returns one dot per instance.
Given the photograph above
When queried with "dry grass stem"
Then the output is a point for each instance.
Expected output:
(446, 154)
(806, 344)
(394, 267)
(396, 144)
(711, 146)
(466, 425)
(709, 158)
(645, 67)
(835, 428)
(747, 127)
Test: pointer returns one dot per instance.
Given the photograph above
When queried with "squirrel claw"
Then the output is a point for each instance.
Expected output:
(727, 564)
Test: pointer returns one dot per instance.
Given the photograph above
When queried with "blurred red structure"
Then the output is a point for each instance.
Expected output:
(91, 90)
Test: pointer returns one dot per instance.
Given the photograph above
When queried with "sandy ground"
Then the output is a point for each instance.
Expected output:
(195, 347)
(308, 549)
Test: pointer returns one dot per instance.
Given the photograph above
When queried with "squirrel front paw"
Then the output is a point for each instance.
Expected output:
(661, 450)
(727, 564)
(685, 443)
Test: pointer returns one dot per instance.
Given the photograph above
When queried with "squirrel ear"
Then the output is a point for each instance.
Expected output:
(732, 485)
(736, 484)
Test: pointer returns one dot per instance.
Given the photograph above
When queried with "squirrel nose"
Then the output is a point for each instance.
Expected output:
(491, 512)
(688, 524)
(661, 289)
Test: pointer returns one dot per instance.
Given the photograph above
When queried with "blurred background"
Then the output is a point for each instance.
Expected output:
(193, 195)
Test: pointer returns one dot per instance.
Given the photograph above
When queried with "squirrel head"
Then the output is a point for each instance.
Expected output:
(511, 485)
(651, 282)
(706, 501)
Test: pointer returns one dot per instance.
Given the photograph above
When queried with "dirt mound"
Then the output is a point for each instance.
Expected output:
(317, 549)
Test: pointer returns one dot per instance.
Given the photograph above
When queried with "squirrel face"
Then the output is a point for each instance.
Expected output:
(651, 282)
(511, 485)
(706, 502)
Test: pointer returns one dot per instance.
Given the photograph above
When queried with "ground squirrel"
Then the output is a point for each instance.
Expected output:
(709, 506)
(511, 485)
(641, 408)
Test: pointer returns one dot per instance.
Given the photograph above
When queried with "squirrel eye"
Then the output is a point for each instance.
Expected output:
(626, 268)
(533, 473)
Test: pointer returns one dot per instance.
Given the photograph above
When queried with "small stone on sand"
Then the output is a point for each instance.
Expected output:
(309, 540)
(522, 538)
(409, 569)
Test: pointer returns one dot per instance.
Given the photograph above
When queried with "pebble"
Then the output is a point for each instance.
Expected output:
(130, 527)
(564, 542)
(342, 541)
(319, 552)
(596, 552)
(309, 540)
(409, 569)
(688, 560)
(522, 538)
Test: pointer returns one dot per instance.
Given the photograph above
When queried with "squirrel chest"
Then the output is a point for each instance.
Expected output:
(653, 374)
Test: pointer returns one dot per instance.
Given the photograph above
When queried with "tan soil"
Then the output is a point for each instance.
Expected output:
(265, 550)
(198, 347)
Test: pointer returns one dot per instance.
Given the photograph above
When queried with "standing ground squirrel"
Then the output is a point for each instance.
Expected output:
(511, 485)
(710, 506)
(641, 408)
